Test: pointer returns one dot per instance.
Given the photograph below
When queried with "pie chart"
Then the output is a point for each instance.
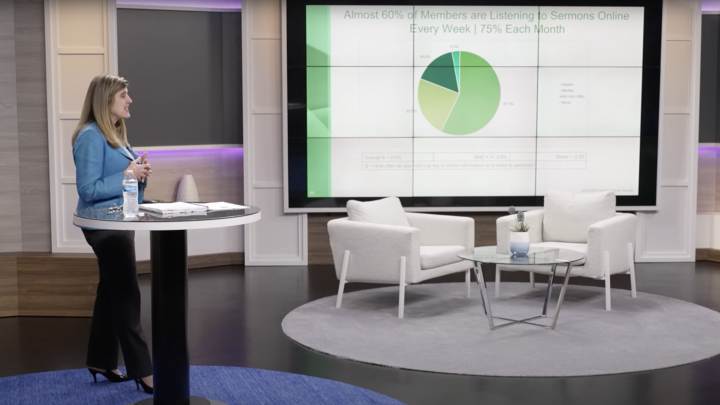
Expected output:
(459, 93)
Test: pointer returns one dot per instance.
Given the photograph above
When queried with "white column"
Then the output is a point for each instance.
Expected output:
(669, 233)
(277, 239)
(78, 47)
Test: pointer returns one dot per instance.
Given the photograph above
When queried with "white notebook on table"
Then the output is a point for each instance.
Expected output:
(221, 206)
(176, 208)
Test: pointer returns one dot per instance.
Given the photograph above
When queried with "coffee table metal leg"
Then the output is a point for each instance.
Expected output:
(549, 289)
(562, 295)
(485, 298)
(484, 294)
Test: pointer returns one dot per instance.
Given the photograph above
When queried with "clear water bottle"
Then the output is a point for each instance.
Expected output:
(130, 195)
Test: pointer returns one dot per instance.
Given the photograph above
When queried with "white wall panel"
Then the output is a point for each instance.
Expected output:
(142, 245)
(236, 239)
(675, 154)
(266, 14)
(81, 23)
(681, 22)
(71, 235)
(74, 75)
(267, 133)
(207, 241)
(678, 73)
(670, 224)
(277, 238)
(703, 231)
(266, 86)
(67, 165)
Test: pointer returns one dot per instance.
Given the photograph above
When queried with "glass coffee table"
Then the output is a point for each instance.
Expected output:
(536, 256)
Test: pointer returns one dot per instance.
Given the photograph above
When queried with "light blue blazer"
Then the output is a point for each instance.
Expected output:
(99, 169)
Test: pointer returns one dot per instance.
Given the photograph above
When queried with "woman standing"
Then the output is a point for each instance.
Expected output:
(102, 156)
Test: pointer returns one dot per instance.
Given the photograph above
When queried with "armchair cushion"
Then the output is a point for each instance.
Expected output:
(386, 211)
(568, 215)
(436, 256)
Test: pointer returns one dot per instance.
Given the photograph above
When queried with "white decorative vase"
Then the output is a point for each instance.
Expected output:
(519, 243)
(187, 191)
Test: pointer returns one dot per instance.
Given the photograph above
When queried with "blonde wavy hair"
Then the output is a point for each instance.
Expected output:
(99, 98)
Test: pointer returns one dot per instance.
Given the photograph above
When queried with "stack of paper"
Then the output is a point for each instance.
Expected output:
(175, 209)
(221, 206)
(173, 215)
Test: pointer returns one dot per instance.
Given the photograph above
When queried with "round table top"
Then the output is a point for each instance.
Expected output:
(112, 219)
(536, 255)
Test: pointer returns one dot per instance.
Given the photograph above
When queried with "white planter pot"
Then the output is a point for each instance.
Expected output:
(519, 243)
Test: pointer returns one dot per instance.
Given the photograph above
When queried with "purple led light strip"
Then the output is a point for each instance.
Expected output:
(206, 4)
(140, 150)
(710, 5)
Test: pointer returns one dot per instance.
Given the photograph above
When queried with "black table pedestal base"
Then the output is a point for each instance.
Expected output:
(171, 360)
(193, 401)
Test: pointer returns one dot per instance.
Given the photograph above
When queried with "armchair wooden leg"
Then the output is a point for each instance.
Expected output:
(497, 282)
(631, 259)
(606, 268)
(401, 303)
(467, 282)
(343, 274)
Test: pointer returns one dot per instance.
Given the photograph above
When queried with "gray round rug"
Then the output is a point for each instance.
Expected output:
(445, 332)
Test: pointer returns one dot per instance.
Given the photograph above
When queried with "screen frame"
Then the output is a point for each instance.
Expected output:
(293, 94)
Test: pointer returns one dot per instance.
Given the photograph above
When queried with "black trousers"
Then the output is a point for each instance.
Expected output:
(116, 316)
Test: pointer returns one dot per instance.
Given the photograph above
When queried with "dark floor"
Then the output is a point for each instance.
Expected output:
(235, 316)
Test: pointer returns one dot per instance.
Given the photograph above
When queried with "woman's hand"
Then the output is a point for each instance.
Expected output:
(141, 170)
(144, 161)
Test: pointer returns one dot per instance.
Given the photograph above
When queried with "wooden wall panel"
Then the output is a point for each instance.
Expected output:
(10, 227)
(8, 286)
(319, 241)
(711, 255)
(32, 125)
(318, 238)
(64, 284)
(51, 285)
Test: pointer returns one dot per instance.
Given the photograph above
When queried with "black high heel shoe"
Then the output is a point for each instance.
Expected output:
(139, 382)
(112, 377)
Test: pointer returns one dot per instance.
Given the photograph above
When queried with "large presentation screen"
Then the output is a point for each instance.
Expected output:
(471, 106)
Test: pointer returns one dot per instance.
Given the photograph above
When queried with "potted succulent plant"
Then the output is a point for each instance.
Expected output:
(519, 234)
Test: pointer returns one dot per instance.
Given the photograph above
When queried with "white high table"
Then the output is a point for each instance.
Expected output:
(168, 254)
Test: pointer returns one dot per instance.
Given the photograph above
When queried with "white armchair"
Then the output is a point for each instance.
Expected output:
(380, 243)
(586, 223)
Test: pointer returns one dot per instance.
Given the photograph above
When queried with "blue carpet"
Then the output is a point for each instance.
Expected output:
(231, 385)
